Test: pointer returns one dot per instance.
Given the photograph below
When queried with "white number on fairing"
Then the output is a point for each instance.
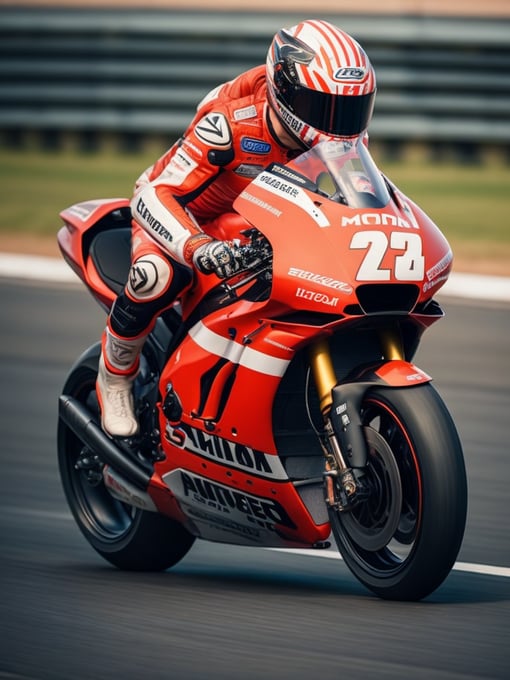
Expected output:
(408, 266)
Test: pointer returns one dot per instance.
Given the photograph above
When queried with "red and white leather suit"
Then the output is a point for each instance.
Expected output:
(228, 142)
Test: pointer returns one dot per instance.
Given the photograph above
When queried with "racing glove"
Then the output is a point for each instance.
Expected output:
(225, 258)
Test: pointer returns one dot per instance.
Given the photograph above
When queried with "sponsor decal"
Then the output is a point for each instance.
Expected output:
(432, 284)
(376, 219)
(321, 280)
(246, 112)
(226, 452)
(320, 298)
(277, 186)
(285, 172)
(240, 507)
(278, 344)
(248, 170)
(258, 146)
(350, 73)
(180, 167)
(439, 268)
(155, 225)
(341, 412)
(262, 204)
(126, 492)
(294, 124)
(214, 130)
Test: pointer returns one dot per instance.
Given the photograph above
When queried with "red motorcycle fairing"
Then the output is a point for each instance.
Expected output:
(82, 223)
(281, 405)
(222, 476)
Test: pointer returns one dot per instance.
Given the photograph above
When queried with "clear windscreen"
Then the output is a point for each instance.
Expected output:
(344, 172)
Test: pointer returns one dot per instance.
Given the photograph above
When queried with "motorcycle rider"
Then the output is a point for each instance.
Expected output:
(317, 84)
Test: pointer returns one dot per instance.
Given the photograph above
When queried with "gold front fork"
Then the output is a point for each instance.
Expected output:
(391, 344)
(323, 373)
(344, 485)
(341, 486)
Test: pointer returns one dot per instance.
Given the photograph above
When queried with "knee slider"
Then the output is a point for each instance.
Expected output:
(149, 278)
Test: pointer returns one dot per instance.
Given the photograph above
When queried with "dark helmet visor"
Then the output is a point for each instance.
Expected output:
(337, 115)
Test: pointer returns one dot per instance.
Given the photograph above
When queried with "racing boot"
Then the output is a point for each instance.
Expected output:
(118, 367)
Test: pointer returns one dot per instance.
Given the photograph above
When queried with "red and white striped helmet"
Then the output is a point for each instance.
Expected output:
(320, 82)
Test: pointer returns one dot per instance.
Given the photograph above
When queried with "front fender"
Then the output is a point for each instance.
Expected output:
(399, 373)
(348, 398)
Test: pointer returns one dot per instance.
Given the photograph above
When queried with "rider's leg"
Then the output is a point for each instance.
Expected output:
(153, 284)
(118, 366)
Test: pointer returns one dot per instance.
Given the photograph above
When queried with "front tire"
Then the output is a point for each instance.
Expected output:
(403, 541)
(127, 537)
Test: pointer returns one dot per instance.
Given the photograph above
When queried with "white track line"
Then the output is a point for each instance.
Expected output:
(485, 569)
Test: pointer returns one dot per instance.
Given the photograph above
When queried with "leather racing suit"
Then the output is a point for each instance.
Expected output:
(228, 142)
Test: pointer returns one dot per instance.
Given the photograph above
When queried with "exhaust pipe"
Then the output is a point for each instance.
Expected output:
(81, 422)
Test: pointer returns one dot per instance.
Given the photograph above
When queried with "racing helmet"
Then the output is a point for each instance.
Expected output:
(320, 83)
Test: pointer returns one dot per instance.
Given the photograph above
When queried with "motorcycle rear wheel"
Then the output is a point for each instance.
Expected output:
(403, 541)
(129, 538)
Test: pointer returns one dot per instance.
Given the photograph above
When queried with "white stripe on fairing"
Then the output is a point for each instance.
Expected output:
(233, 351)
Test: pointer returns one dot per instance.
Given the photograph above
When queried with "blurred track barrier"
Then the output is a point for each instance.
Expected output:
(443, 81)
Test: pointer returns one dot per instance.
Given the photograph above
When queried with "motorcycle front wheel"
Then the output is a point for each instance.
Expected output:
(403, 541)
(128, 537)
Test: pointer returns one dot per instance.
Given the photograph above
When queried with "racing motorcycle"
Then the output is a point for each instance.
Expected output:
(278, 407)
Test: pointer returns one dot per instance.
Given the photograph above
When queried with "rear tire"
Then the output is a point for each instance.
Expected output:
(127, 537)
(403, 541)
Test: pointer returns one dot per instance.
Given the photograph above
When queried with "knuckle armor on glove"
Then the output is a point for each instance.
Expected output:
(217, 256)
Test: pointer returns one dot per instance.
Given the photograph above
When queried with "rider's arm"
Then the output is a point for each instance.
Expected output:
(155, 203)
(189, 167)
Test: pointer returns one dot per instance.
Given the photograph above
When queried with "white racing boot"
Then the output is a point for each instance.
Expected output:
(115, 393)
(118, 367)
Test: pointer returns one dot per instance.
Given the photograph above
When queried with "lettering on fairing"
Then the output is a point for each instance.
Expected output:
(320, 298)
(258, 511)
(376, 219)
(226, 452)
(326, 281)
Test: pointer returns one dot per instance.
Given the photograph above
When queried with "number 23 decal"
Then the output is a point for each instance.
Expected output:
(409, 265)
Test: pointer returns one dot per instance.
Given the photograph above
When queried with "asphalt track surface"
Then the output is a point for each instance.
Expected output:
(228, 612)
